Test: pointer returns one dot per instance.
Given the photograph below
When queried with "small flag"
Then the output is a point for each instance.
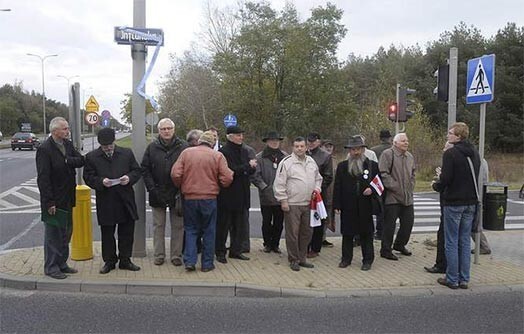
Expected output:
(376, 183)
(317, 210)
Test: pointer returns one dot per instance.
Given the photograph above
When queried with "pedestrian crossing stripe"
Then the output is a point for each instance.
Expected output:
(480, 84)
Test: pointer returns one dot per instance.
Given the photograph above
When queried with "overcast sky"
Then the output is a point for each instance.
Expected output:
(81, 33)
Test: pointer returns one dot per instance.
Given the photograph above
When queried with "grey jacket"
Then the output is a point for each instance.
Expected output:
(397, 171)
(263, 179)
(325, 166)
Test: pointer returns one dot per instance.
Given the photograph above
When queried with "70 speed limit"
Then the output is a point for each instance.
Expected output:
(92, 118)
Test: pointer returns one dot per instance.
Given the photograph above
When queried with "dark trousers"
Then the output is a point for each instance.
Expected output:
(235, 223)
(366, 244)
(380, 222)
(406, 216)
(316, 240)
(125, 232)
(272, 225)
(56, 247)
(440, 262)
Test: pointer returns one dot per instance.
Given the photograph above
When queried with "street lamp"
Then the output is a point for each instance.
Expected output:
(68, 86)
(43, 84)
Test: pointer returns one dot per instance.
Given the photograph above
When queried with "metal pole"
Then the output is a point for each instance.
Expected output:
(43, 96)
(452, 89)
(138, 106)
(75, 123)
(397, 128)
(482, 134)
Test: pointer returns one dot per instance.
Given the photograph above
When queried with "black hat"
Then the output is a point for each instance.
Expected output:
(355, 141)
(272, 135)
(313, 136)
(234, 129)
(385, 134)
(106, 136)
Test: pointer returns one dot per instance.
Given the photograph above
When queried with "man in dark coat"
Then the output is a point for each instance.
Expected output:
(353, 200)
(272, 214)
(112, 171)
(159, 158)
(234, 201)
(56, 160)
(325, 167)
(385, 143)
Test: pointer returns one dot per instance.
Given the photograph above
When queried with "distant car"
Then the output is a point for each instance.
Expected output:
(22, 140)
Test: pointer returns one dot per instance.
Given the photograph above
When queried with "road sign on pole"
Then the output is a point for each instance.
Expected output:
(91, 118)
(230, 120)
(480, 86)
(92, 105)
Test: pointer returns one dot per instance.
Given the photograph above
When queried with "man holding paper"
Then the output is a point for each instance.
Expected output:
(355, 181)
(56, 160)
(112, 171)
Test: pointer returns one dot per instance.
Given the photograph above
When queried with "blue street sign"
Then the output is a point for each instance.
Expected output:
(105, 122)
(480, 86)
(230, 120)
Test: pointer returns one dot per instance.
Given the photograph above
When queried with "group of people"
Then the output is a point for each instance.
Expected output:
(209, 185)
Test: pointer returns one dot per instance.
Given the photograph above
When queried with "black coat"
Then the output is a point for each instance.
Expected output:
(237, 196)
(109, 200)
(356, 209)
(156, 167)
(56, 174)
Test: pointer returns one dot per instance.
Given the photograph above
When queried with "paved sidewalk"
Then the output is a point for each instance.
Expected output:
(269, 275)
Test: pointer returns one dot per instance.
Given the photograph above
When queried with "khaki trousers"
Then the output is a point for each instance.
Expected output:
(298, 232)
(159, 233)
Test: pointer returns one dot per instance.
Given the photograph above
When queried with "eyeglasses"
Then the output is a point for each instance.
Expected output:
(166, 129)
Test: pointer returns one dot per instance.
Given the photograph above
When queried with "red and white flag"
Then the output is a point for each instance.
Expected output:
(376, 183)
(317, 210)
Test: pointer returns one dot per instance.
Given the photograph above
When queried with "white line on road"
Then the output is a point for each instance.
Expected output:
(516, 202)
(20, 235)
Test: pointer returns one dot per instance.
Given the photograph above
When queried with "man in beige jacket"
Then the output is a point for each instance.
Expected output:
(297, 177)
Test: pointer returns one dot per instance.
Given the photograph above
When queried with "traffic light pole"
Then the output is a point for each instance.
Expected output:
(452, 90)
(397, 127)
(138, 107)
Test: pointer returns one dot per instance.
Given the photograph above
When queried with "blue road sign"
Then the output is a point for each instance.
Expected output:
(230, 120)
(105, 122)
(480, 86)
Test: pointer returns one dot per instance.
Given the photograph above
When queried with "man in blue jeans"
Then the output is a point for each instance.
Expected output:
(459, 199)
(199, 172)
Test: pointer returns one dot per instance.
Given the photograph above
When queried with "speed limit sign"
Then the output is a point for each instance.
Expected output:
(91, 118)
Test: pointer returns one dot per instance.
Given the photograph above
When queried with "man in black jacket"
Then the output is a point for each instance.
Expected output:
(460, 170)
(234, 201)
(56, 160)
(325, 167)
(159, 158)
(112, 171)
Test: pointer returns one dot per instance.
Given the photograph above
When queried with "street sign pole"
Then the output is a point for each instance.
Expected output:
(452, 90)
(482, 136)
(138, 107)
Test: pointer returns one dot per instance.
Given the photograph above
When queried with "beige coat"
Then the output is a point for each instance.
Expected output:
(296, 180)
(397, 171)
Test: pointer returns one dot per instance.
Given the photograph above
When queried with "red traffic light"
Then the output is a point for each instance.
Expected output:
(392, 111)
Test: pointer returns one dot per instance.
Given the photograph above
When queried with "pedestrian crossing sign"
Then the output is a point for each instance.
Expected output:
(481, 80)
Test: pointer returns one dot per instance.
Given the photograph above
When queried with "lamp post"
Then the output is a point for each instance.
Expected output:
(68, 86)
(43, 84)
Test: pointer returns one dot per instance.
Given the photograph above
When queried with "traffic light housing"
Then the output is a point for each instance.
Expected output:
(405, 105)
(442, 89)
(392, 111)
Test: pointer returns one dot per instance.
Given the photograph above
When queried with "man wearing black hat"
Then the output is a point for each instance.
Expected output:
(325, 167)
(272, 214)
(234, 201)
(112, 171)
(353, 200)
(385, 143)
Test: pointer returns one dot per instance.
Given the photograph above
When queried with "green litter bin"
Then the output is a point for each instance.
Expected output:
(494, 206)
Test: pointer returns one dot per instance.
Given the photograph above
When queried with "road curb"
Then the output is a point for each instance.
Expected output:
(242, 290)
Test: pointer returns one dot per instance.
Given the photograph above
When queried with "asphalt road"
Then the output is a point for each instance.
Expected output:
(43, 312)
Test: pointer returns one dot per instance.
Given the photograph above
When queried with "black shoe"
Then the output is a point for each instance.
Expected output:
(365, 267)
(294, 266)
(327, 244)
(435, 270)
(107, 268)
(344, 264)
(403, 250)
(69, 270)
(306, 265)
(190, 267)
(57, 275)
(463, 285)
(208, 269)
(266, 249)
(276, 250)
(389, 256)
(239, 257)
(443, 281)
(482, 251)
(177, 262)
(221, 259)
(128, 265)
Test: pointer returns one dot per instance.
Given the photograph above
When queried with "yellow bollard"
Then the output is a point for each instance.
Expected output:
(82, 239)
